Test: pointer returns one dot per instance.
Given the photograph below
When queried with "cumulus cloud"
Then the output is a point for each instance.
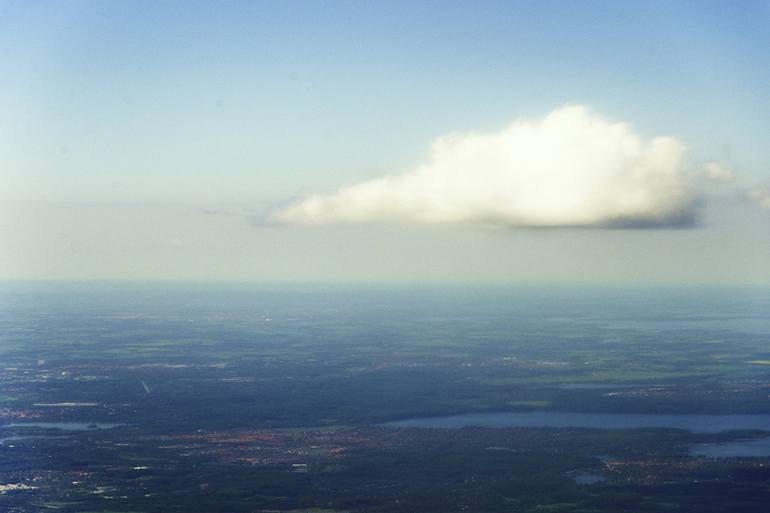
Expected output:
(571, 168)
(761, 196)
(716, 171)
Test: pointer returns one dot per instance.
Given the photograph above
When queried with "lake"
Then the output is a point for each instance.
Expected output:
(588, 479)
(734, 449)
(692, 423)
(4, 441)
(64, 426)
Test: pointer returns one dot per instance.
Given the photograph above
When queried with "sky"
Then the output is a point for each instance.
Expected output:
(495, 142)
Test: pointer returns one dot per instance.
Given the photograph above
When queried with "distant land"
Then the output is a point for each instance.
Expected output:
(200, 398)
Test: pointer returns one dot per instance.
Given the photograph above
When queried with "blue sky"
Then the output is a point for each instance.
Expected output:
(237, 106)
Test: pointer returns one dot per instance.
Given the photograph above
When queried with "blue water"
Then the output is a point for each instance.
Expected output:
(65, 426)
(587, 479)
(693, 423)
(734, 449)
(4, 441)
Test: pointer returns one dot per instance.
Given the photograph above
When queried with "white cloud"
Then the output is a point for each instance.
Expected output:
(572, 168)
(716, 171)
(761, 195)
